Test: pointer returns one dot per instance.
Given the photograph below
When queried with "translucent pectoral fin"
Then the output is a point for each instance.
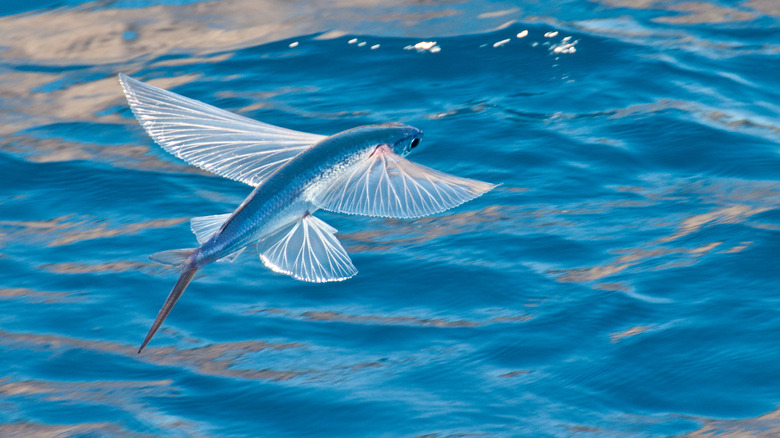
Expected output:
(308, 251)
(219, 141)
(389, 185)
(205, 226)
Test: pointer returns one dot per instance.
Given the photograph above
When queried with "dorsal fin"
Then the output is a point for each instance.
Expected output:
(205, 226)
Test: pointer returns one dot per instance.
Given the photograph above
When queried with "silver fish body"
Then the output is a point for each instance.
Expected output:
(358, 171)
(287, 194)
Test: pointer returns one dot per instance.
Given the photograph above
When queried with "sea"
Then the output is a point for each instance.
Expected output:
(621, 281)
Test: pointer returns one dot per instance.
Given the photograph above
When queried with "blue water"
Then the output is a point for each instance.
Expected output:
(622, 281)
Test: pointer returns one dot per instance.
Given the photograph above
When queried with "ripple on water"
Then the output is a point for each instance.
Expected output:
(621, 281)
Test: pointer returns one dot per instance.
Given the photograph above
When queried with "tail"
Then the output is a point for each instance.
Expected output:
(184, 279)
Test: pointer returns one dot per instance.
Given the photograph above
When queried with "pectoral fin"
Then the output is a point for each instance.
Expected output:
(389, 185)
(221, 142)
(308, 251)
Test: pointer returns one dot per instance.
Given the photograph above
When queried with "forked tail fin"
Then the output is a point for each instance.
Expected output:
(184, 279)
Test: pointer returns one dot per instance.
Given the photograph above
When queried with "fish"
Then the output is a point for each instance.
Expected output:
(360, 171)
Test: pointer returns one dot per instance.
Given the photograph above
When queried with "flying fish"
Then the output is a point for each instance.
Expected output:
(359, 171)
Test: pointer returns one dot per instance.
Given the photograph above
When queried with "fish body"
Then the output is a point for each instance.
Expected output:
(288, 193)
(358, 171)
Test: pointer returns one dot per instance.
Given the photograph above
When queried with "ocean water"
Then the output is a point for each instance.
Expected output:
(622, 281)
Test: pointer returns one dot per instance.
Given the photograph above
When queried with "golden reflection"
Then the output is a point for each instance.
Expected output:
(39, 430)
(516, 373)
(84, 268)
(478, 108)
(703, 13)
(26, 109)
(193, 60)
(35, 295)
(739, 248)
(630, 4)
(617, 286)
(83, 391)
(733, 120)
(728, 121)
(331, 35)
(220, 359)
(28, 387)
(89, 35)
(727, 215)
(581, 275)
(500, 13)
(65, 230)
(91, 230)
(769, 7)
(48, 225)
(400, 232)
(579, 429)
(385, 320)
(30, 109)
(632, 257)
(765, 426)
(647, 109)
(633, 331)
(705, 248)
(125, 395)
(692, 12)
(94, 34)
(737, 204)
(215, 359)
(263, 99)
(410, 321)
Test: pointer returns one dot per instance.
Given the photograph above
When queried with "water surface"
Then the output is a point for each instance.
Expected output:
(622, 281)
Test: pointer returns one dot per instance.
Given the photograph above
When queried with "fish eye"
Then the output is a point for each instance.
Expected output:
(415, 142)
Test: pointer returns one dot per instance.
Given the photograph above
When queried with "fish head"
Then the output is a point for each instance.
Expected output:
(407, 139)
